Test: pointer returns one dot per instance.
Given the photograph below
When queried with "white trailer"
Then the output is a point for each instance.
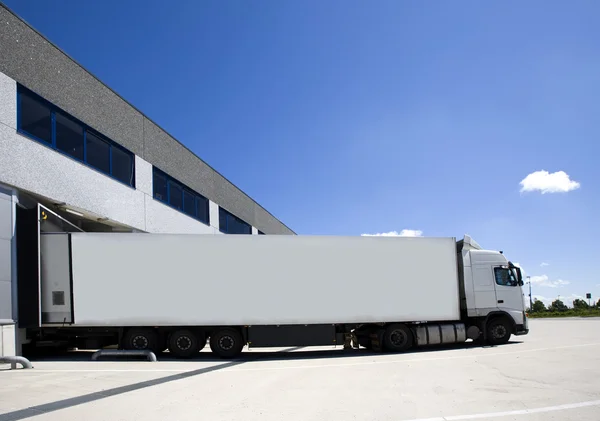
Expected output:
(162, 291)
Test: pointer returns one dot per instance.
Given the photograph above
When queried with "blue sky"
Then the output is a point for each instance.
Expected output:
(347, 117)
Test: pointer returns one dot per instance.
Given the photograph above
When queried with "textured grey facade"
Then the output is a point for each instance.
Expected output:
(30, 59)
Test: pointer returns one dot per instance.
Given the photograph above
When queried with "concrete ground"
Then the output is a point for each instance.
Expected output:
(551, 374)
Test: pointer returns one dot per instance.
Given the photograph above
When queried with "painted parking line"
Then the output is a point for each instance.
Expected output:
(511, 413)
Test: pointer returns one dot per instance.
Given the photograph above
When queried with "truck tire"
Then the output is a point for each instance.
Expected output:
(498, 331)
(397, 338)
(184, 343)
(140, 339)
(226, 343)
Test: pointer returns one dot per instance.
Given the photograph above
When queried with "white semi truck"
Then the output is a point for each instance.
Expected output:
(178, 292)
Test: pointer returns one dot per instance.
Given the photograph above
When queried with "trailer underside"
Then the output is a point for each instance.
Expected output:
(229, 341)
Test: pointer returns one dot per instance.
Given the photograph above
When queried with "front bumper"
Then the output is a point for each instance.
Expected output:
(521, 330)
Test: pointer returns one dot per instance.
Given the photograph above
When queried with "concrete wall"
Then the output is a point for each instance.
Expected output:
(30, 59)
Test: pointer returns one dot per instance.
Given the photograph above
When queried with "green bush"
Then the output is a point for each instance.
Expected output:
(569, 312)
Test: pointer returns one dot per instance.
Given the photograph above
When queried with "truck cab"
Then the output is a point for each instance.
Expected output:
(492, 288)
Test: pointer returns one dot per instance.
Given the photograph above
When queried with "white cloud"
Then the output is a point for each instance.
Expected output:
(403, 233)
(544, 281)
(545, 182)
(544, 264)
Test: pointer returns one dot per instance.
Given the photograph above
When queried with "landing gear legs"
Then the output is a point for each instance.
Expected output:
(350, 341)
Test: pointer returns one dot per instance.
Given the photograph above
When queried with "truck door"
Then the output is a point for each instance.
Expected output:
(483, 287)
(508, 293)
(56, 278)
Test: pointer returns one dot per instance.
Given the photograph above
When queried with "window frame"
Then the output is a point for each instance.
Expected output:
(230, 215)
(198, 198)
(52, 145)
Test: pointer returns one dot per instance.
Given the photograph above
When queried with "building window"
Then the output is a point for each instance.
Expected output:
(260, 232)
(98, 152)
(189, 203)
(69, 136)
(42, 121)
(122, 165)
(35, 117)
(159, 185)
(175, 194)
(231, 224)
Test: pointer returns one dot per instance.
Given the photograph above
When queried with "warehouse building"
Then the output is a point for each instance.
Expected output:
(75, 156)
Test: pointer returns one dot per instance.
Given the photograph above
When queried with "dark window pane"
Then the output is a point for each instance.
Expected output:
(35, 118)
(189, 203)
(261, 233)
(122, 165)
(222, 220)
(97, 153)
(231, 224)
(202, 206)
(69, 137)
(175, 195)
(505, 277)
(159, 185)
(237, 226)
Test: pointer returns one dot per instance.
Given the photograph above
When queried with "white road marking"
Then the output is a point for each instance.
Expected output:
(299, 367)
(101, 370)
(511, 413)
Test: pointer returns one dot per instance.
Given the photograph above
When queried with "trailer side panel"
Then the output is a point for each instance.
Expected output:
(173, 280)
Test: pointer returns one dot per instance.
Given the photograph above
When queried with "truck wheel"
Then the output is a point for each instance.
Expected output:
(498, 331)
(184, 343)
(140, 339)
(226, 343)
(397, 338)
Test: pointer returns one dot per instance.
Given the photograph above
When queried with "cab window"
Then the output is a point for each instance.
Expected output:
(505, 277)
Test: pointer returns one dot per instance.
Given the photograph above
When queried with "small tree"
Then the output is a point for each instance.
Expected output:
(538, 306)
(579, 304)
(558, 305)
(598, 303)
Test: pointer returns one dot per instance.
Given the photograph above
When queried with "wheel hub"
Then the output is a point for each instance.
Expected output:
(226, 342)
(398, 338)
(140, 342)
(499, 331)
(184, 343)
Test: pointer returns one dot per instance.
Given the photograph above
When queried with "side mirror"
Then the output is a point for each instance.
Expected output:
(519, 276)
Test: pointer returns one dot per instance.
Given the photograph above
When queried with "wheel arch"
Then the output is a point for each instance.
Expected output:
(499, 314)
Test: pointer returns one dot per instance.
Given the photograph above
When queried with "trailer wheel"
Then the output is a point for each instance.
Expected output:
(140, 339)
(498, 331)
(226, 343)
(185, 343)
(397, 338)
